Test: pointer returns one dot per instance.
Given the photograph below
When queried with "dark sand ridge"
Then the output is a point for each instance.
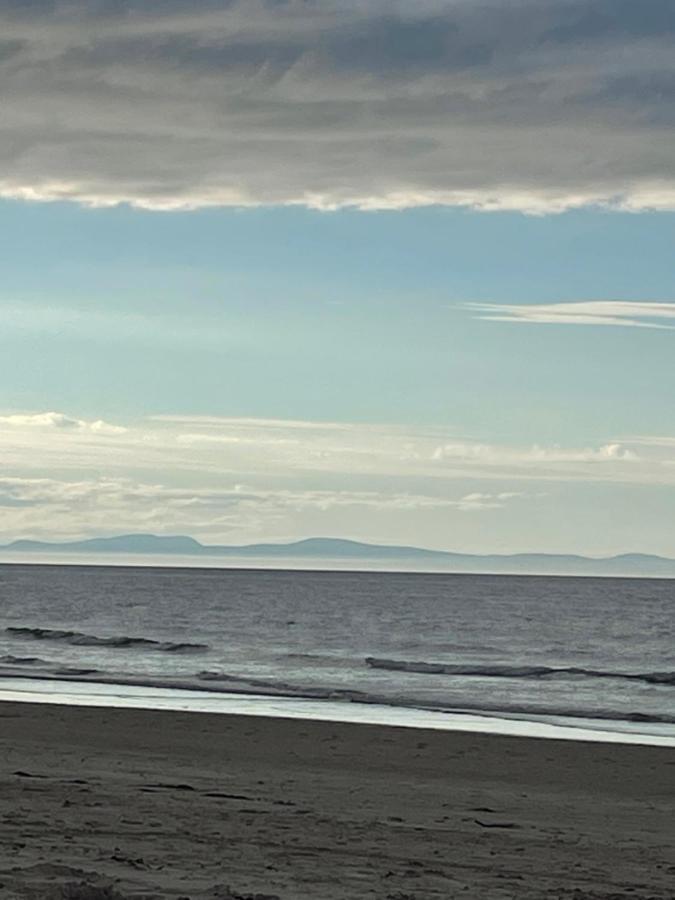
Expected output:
(165, 804)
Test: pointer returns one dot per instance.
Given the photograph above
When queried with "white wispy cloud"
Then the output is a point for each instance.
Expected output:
(241, 479)
(55, 420)
(489, 455)
(647, 440)
(627, 313)
(369, 103)
(50, 507)
(192, 447)
(479, 500)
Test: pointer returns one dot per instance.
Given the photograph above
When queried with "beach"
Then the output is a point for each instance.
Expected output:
(177, 804)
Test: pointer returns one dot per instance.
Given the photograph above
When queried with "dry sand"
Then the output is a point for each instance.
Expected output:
(164, 804)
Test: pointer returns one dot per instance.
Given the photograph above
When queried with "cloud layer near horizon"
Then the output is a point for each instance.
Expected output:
(240, 480)
(538, 105)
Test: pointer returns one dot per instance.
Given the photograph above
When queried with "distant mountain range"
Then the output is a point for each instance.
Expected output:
(344, 552)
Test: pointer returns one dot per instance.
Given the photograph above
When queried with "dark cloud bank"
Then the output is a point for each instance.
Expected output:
(528, 104)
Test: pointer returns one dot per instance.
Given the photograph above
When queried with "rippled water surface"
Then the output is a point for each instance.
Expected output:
(570, 649)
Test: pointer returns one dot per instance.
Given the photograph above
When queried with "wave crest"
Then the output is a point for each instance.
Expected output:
(226, 684)
(506, 671)
(124, 642)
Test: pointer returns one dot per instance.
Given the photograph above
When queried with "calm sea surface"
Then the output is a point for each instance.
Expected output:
(565, 650)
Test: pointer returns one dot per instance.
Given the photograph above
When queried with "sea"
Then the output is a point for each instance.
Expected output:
(550, 656)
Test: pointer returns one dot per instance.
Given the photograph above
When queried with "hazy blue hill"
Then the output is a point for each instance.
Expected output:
(341, 550)
(327, 548)
(123, 543)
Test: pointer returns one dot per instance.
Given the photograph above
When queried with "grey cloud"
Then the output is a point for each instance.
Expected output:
(605, 18)
(521, 104)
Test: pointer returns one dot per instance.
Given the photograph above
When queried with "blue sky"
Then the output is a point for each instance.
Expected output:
(262, 282)
(125, 315)
(343, 315)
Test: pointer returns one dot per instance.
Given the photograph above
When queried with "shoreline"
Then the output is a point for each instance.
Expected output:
(143, 694)
(176, 804)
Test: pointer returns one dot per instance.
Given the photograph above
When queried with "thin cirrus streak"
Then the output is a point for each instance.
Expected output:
(626, 313)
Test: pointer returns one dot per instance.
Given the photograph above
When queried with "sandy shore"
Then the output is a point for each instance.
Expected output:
(164, 804)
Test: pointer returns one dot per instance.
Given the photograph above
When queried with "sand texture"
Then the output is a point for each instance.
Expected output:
(104, 803)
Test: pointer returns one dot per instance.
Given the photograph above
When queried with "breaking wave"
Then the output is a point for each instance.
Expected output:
(225, 683)
(22, 661)
(505, 671)
(78, 639)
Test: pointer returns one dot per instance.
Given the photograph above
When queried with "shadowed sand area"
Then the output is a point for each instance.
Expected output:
(192, 805)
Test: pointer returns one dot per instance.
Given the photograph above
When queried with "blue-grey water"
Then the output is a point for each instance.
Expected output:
(559, 649)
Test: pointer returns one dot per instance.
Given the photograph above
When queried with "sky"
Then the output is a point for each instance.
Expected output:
(386, 271)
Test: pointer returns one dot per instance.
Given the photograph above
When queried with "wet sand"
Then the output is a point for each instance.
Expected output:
(165, 804)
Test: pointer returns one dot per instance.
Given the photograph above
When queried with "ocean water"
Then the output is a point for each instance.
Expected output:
(580, 652)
